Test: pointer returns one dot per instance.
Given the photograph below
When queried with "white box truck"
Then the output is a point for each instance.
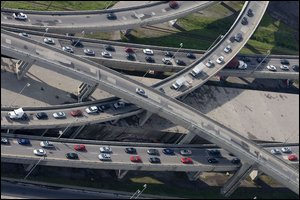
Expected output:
(196, 70)
(16, 114)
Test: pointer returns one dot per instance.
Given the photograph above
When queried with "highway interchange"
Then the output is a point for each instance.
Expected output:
(157, 102)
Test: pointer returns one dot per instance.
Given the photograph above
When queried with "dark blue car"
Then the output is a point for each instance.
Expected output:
(23, 141)
(168, 151)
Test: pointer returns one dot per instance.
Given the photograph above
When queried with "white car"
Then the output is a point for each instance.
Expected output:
(220, 60)
(39, 152)
(68, 49)
(24, 34)
(242, 65)
(209, 63)
(49, 41)
(284, 67)
(141, 92)
(105, 149)
(186, 152)
(92, 109)
(227, 49)
(271, 68)
(286, 149)
(104, 157)
(89, 52)
(148, 51)
(59, 115)
(46, 144)
(106, 54)
(20, 16)
(275, 151)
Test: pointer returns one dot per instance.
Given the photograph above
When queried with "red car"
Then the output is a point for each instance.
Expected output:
(79, 147)
(76, 113)
(186, 160)
(129, 50)
(173, 4)
(293, 157)
(135, 159)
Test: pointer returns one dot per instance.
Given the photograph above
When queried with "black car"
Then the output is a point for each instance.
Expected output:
(130, 56)
(244, 21)
(214, 152)
(130, 150)
(154, 160)
(284, 62)
(190, 55)
(111, 16)
(296, 68)
(72, 156)
(168, 151)
(109, 48)
(238, 37)
(76, 43)
(212, 160)
(180, 62)
(168, 54)
(70, 34)
(246, 59)
(149, 59)
(152, 152)
(260, 59)
(250, 13)
(162, 90)
(41, 115)
(101, 108)
(235, 161)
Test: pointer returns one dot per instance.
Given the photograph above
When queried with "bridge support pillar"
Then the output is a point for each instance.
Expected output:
(231, 185)
(85, 91)
(193, 176)
(77, 131)
(126, 32)
(187, 138)
(28, 167)
(22, 67)
(144, 117)
(255, 174)
(121, 173)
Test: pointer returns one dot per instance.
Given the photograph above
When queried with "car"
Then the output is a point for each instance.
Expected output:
(130, 150)
(214, 152)
(209, 63)
(244, 21)
(271, 68)
(92, 110)
(67, 49)
(104, 157)
(236, 161)
(293, 157)
(135, 158)
(169, 54)
(20, 16)
(129, 50)
(149, 59)
(49, 41)
(59, 115)
(73, 156)
(275, 151)
(70, 34)
(250, 13)
(295, 68)
(186, 160)
(167, 61)
(238, 37)
(245, 59)
(89, 52)
(162, 90)
(141, 92)
(227, 49)
(185, 152)
(242, 65)
(284, 62)
(39, 152)
(153, 152)
(148, 52)
(154, 160)
(173, 4)
(46, 144)
(168, 151)
(79, 147)
(76, 113)
(119, 104)
(23, 34)
(286, 149)
(105, 149)
(190, 55)
(4, 140)
(106, 54)
(111, 16)
(212, 160)
(260, 59)
(24, 141)
(130, 56)
(284, 67)
(101, 108)
(109, 48)
(41, 115)
(220, 60)
(76, 43)
(180, 62)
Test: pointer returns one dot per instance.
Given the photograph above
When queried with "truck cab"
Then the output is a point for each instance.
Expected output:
(17, 114)
(195, 71)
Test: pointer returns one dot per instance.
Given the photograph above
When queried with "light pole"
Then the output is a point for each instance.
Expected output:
(79, 38)
(268, 53)
(34, 167)
(62, 132)
(139, 193)
(27, 85)
(135, 193)
(181, 45)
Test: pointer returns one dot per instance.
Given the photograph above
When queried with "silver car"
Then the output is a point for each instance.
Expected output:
(286, 149)
(105, 149)
(59, 115)
(39, 152)
(49, 41)
(275, 151)
(104, 157)
(68, 49)
(89, 52)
